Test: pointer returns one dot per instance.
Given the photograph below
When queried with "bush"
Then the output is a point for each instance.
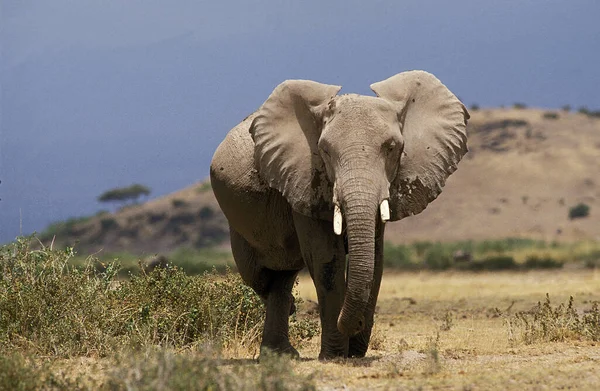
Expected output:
(177, 203)
(566, 108)
(108, 223)
(206, 212)
(474, 107)
(583, 110)
(438, 257)
(64, 228)
(399, 257)
(204, 187)
(546, 323)
(578, 211)
(56, 309)
(535, 262)
(518, 105)
(492, 263)
(550, 115)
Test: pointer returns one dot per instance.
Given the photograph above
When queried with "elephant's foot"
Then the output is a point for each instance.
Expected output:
(326, 355)
(282, 349)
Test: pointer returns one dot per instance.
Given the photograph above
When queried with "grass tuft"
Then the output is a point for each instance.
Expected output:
(548, 323)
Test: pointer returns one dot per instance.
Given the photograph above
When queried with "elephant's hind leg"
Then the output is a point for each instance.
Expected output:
(275, 289)
(279, 303)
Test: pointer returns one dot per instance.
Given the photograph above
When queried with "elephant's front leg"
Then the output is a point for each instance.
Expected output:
(325, 257)
(360, 342)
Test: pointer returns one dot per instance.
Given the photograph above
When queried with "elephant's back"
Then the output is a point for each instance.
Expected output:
(233, 161)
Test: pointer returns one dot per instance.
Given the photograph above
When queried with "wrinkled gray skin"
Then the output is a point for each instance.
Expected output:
(278, 175)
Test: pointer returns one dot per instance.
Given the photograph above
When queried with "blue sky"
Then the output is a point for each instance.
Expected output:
(99, 94)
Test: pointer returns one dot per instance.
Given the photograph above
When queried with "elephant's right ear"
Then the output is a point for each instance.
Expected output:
(286, 133)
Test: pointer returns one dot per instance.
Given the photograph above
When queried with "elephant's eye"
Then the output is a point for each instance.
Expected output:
(390, 146)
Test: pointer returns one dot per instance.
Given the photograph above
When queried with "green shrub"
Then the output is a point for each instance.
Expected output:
(474, 107)
(64, 228)
(566, 108)
(178, 203)
(196, 261)
(591, 259)
(550, 115)
(53, 308)
(421, 247)
(583, 110)
(206, 212)
(438, 257)
(399, 257)
(492, 263)
(535, 262)
(108, 223)
(204, 187)
(578, 211)
(519, 105)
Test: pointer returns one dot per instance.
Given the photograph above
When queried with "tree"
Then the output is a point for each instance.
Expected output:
(124, 194)
(578, 211)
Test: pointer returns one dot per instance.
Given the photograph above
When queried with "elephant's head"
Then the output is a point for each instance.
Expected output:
(360, 157)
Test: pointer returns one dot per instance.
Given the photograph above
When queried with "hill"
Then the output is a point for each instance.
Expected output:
(524, 170)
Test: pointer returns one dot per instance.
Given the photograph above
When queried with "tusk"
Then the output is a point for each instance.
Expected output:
(384, 208)
(337, 220)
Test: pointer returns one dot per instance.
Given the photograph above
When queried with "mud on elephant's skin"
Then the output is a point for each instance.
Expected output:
(313, 176)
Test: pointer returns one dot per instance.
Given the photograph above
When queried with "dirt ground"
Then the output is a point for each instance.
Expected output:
(452, 331)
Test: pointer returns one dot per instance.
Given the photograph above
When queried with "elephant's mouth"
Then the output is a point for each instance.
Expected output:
(338, 219)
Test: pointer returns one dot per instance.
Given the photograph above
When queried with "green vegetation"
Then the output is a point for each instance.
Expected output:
(158, 330)
(66, 227)
(124, 194)
(49, 307)
(561, 323)
(502, 254)
(592, 114)
(474, 107)
(550, 115)
(578, 211)
(204, 187)
(178, 203)
(566, 108)
(519, 105)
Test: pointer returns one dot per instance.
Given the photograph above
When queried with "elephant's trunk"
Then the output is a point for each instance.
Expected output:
(360, 202)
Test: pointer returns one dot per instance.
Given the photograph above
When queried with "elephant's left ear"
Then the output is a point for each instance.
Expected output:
(435, 138)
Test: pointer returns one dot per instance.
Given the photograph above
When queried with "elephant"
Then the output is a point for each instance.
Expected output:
(311, 178)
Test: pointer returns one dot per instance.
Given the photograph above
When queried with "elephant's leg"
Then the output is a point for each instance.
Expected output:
(360, 342)
(279, 303)
(275, 289)
(324, 254)
(247, 261)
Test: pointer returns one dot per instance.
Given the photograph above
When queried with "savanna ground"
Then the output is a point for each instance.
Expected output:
(83, 327)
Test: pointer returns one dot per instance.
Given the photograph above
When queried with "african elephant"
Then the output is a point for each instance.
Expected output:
(311, 177)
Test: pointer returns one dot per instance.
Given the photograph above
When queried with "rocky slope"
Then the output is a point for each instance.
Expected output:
(524, 170)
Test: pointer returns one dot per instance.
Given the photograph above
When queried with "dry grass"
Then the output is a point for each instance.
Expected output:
(457, 334)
